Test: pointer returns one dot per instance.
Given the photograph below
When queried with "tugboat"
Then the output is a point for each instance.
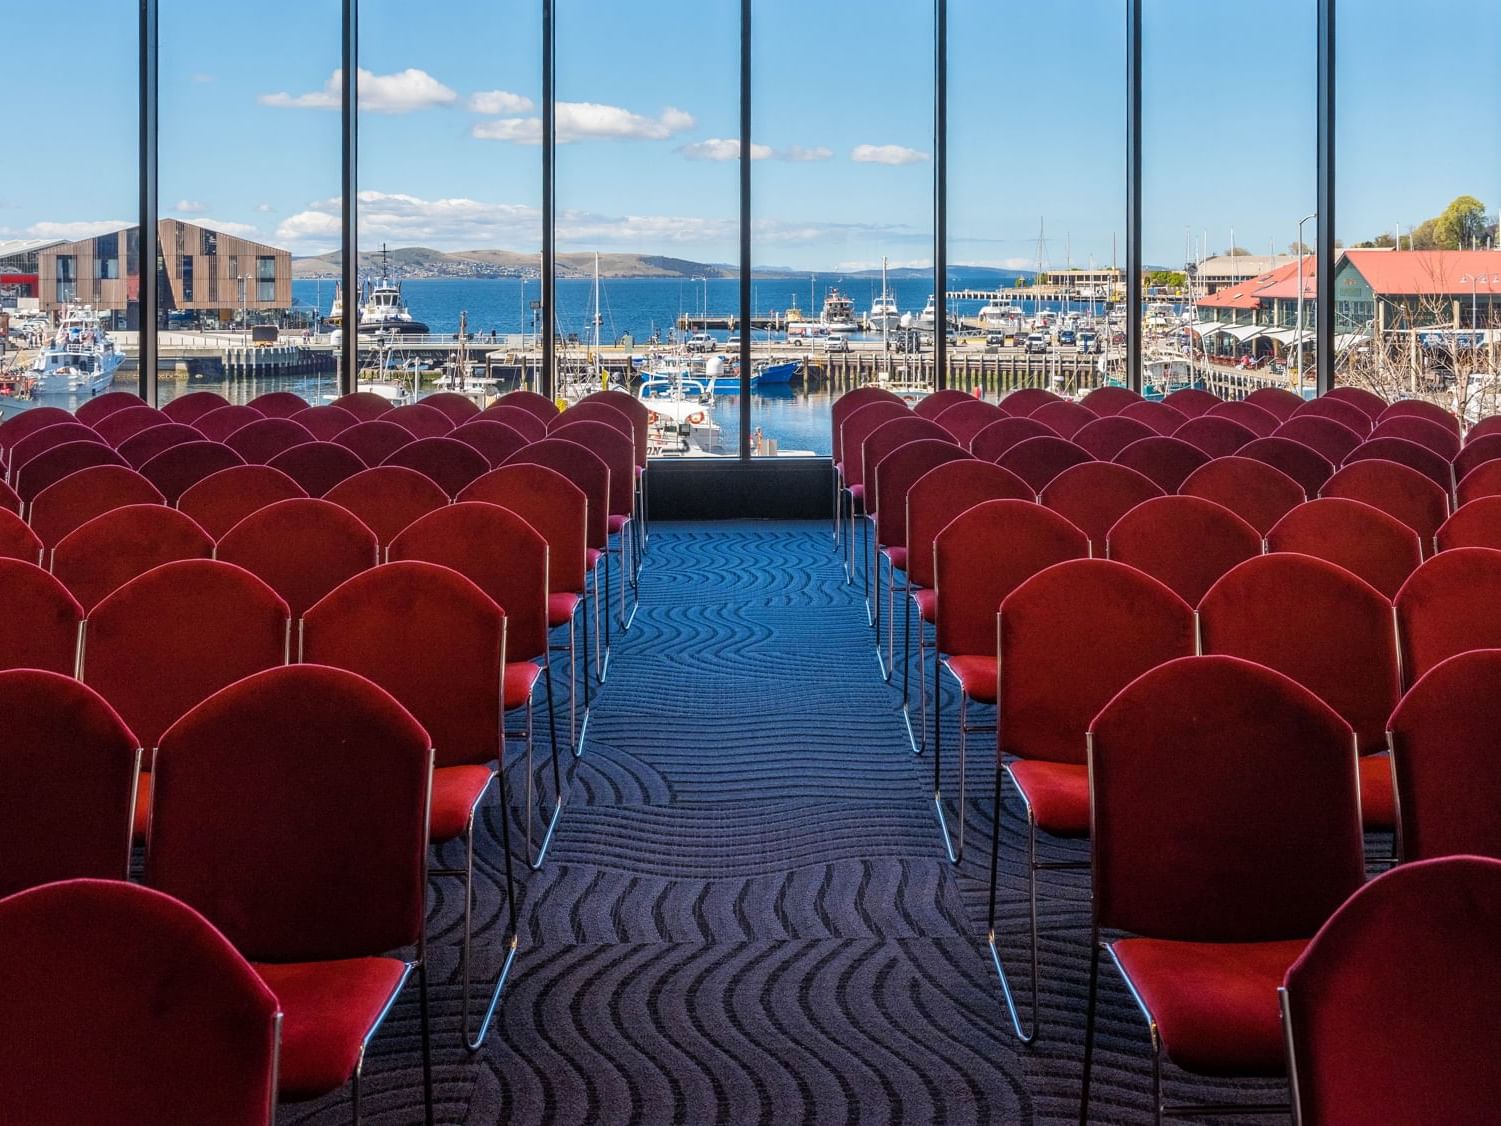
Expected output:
(383, 311)
(80, 359)
(838, 313)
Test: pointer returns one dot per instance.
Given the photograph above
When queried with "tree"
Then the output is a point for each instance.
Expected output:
(1299, 248)
(1237, 252)
(1380, 242)
(1424, 236)
(1462, 224)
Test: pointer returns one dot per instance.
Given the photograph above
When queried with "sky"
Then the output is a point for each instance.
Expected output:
(842, 108)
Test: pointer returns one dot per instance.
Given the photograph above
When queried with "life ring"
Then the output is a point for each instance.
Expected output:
(695, 418)
(651, 418)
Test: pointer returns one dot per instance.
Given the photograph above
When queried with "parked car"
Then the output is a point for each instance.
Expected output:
(702, 342)
(1037, 342)
(1066, 336)
(995, 340)
(1089, 341)
(835, 343)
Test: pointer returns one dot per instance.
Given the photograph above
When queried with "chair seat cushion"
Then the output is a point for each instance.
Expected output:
(857, 492)
(520, 677)
(592, 556)
(329, 1008)
(1378, 801)
(1215, 1003)
(143, 807)
(897, 556)
(976, 676)
(560, 608)
(616, 523)
(456, 791)
(927, 603)
(1057, 794)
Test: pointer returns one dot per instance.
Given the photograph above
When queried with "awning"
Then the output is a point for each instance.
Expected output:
(1349, 339)
(1242, 333)
(1285, 336)
(1207, 328)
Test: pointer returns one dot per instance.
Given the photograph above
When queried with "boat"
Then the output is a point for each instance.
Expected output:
(928, 315)
(838, 313)
(80, 359)
(884, 315)
(682, 414)
(1001, 316)
(383, 311)
(773, 374)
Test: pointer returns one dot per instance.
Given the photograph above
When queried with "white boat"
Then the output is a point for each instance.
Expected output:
(929, 313)
(838, 313)
(1001, 316)
(383, 311)
(682, 413)
(80, 359)
(884, 315)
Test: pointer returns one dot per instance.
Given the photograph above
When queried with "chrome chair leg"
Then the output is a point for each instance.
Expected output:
(995, 953)
(536, 861)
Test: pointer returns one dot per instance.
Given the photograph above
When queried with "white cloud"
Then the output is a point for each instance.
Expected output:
(190, 205)
(798, 153)
(579, 121)
(83, 228)
(499, 101)
(228, 227)
(402, 92)
(886, 154)
(264, 207)
(716, 148)
(518, 130)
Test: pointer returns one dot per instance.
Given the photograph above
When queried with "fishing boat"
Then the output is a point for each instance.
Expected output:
(1001, 316)
(383, 312)
(884, 315)
(80, 359)
(682, 414)
(838, 314)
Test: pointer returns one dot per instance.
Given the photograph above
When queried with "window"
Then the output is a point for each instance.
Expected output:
(187, 278)
(208, 242)
(107, 256)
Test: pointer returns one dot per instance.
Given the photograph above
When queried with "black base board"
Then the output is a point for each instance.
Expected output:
(768, 489)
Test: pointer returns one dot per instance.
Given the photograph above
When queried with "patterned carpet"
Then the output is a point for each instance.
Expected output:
(746, 915)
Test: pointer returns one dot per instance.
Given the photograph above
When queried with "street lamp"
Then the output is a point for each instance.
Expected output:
(1301, 256)
(243, 330)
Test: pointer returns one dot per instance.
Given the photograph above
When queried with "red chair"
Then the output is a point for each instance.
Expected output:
(9, 501)
(375, 440)
(364, 405)
(1363, 540)
(1426, 433)
(278, 404)
(50, 437)
(192, 1028)
(1410, 454)
(1477, 524)
(318, 867)
(420, 420)
(617, 449)
(300, 548)
(1482, 481)
(221, 500)
(1328, 630)
(28, 421)
(1186, 543)
(318, 466)
(963, 420)
(1216, 436)
(980, 558)
(192, 406)
(1336, 410)
(42, 621)
(1226, 830)
(1038, 460)
(1257, 420)
(258, 442)
(1368, 401)
(324, 423)
(595, 411)
(1444, 763)
(517, 418)
(174, 636)
(18, 540)
(1326, 436)
(1451, 604)
(932, 405)
(177, 469)
(1487, 426)
(108, 551)
(1105, 437)
(116, 427)
(79, 497)
(1162, 418)
(857, 426)
(1305, 465)
(436, 643)
(1064, 417)
(1162, 459)
(1093, 495)
(992, 441)
(1070, 638)
(1407, 969)
(1253, 490)
(1191, 401)
(52, 466)
(1400, 492)
(458, 408)
(219, 424)
(1106, 400)
(140, 448)
(450, 464)
(1024, 400)
(102, 406)
(70, 783)
(1419, 408)
(504, 556)
(1278, 401)
(387, 499)
(876, 446)
(640, 417)
(494, 440)
(1476, 452)
(539, 405)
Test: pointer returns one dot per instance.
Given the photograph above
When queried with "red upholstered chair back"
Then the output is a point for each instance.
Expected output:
(374, 440)
(16, 427)
(1482, 481)
(633, 408)
(1105, 437)
(79, 497)
(52, 466)
(219, 424)
(556, 509)
(1191, 401)
(1442, 440)
(1111, 400)
(897, 472)
(1487, 426)
(1419, 408)
(495, 441)
(1184, 542)
(387, 498)
(420, 419)
(1328, 436)
(291, 809)
(108, 551)
(1253, 490)
(517, 418)
(1164, 460)
(1303, 464)
(1446, 759)
(1363, 540)
(932, 405)
(1225, 805)
(324, 422)
(1258, 420)
(102, 406)
(17, 540)
(258, 442)
(616, 449)
(1064, 417)
(539, 405)
(189, 1030)
(1477, 524)
(1431, 465)
(595, 411)
(586, 470)
(1451, 604)
(300, 548)
(9, 501)
(40, 441)
(193, 405)
(1024, 400)
(1368, 401)
(1408, 970)
(851, 401)
(983, 555)
(1038, 460)
(1216, 436)
(430, 638)
(177, 469)
(278, 404)
(114, 428)
(447, 462)
(1278, 401)
(1071, 637)
(1317, 623)
(140, 448)
(39, 629)
(176, 635)
(943, 493)
(885, 440)
(458, 408)
(1402, 493)
(1339, 411)
(500, 553)
(858, 426)
(966, 419)
(364, 405)
(1093, 495)
(70, 782)
(1162, 418)
(221, 500)
(1476, 452)
(990, 442)
(318, 466)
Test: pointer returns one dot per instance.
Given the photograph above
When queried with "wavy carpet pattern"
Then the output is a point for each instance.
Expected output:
(746, 915)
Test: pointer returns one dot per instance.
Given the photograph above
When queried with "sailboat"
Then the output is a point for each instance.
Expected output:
(884, 315)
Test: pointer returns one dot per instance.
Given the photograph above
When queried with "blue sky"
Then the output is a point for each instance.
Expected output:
(843, 124)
